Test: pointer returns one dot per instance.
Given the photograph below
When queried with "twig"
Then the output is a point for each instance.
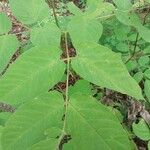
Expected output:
(113, 14)
(135, 46)
(136, 40)
(52, 3)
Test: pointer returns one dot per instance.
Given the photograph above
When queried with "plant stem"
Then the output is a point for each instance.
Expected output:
(134, 51)
(66, 91)
(52, 3)
(137, 37)
(67, 81)
(113, 14)
(63, 133)
(68, 67)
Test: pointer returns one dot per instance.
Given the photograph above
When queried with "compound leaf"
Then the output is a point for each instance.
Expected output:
(8, 46)
(92, 126)
(105, 69)
(36, 71)
(27, 125)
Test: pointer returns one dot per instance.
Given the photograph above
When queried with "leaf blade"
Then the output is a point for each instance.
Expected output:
(31, 75)
(92, 129)
(29, 11)
(5, 24)
(82, 29)
(7, 50)
(47, 35)
(105, 69)
(26, 127)
(123, 4)
(141, 130)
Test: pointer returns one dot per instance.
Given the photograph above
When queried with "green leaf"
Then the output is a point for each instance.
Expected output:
(93, 4)
(73, 8)
(122, 47)
(36, 71)
(8, 46)
(81, 86)
(147, 49)
(133, 20)
(123, 17)
(52, 132)
(149, 145)
(82, 30)
(1, 129)
(131, 65)
(27, 125)
(141, 130)
(148, 1)
(144, 33)
(132, 37)
(105, 69)
(5, 23)
(4, 116)
(144, 61)
(93, 126)
(121, 32)
(147, 73)
(147, 89)
(123, 4)
(130, 19)
(47, 35)
(99, 9)
(29, 11)
(48, 144)
(138, 76)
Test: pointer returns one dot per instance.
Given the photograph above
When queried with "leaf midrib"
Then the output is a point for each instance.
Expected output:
(92, 65)
(81, 116)
(35, 124)
(30, 77)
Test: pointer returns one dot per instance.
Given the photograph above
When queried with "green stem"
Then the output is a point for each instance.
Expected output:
(54, 12)
(63, 133)
(135, 46)
(52, 3)
(136, 40)
(68, 67)
(66, 91)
